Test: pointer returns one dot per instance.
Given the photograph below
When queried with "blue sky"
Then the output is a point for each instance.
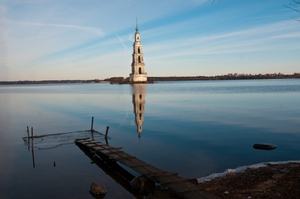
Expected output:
(80, 39)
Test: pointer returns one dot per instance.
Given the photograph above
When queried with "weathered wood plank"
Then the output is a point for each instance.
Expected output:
(162, 174)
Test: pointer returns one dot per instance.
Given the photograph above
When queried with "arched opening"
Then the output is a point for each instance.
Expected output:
(140, 107)
(139, 50)
(140, 116)
(140, 70)
(140, 96)
(139, 59)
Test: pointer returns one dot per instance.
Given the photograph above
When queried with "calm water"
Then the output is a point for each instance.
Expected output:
(194, 128)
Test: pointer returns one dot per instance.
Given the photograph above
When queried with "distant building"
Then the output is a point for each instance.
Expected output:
(138, 73)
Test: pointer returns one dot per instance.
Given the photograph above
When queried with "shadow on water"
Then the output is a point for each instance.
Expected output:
(49, 141)
(114, 170)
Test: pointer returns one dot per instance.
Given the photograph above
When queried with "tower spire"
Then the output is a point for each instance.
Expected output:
(137, 28)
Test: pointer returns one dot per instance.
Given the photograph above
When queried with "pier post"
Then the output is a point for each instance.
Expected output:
(28, 141)
(27, 134)
(32, 152)
(92, 124)
(106, 132)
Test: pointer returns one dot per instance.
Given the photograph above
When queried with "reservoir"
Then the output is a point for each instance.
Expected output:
(195, 128)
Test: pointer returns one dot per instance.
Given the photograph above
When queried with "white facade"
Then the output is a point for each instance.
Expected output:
(138, 73)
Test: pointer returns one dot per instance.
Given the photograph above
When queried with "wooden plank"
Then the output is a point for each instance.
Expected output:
(90, 144)
(81, 139)
(101, 144)
(124, 158)
(114, 152)
(163, 174)
(175, 181)
(97, 147)
(141, 165)
(85, 142)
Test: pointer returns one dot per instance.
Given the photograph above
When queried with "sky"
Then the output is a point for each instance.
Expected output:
(92, 39)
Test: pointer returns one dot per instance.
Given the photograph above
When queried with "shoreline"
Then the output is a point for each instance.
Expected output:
(275, 180)
(260, 181)
(242, 169)
(151, 80)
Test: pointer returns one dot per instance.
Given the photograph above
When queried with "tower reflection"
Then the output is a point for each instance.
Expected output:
(139, 100)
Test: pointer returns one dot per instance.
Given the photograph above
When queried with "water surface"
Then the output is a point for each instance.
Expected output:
(195, 128)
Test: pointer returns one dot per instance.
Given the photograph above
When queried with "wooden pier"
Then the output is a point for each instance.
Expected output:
(184, 187)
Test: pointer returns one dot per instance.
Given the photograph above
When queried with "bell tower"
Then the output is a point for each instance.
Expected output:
(138, 73)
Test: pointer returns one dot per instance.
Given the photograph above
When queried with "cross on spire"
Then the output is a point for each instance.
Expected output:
(137, 28)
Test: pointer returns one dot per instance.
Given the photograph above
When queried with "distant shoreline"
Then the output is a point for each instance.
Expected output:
(120, 80)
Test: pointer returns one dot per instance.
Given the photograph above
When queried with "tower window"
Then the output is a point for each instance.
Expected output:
(140, 107)
(139, 51)
(140, 96)
(140, 116)
(140, 70)
(139, 59)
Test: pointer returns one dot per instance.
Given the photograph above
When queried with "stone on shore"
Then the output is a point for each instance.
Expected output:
(97, 189)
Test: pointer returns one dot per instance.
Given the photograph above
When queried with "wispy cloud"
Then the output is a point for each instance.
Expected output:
(93, 30)
(125, 47)
(256, 39)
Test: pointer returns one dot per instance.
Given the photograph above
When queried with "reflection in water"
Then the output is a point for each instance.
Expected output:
(32, 154)
(139, 100)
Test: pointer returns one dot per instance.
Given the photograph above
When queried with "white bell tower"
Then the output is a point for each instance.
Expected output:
(138, 73)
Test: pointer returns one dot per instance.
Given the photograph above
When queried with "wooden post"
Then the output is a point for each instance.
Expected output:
(27, 134)
(28, 140)
(92, 125)
(106, 132)
(32, 152)
(107, 127)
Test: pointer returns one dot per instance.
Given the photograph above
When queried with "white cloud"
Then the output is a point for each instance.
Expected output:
(92, 30)
(267, 37)
(125, 47)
